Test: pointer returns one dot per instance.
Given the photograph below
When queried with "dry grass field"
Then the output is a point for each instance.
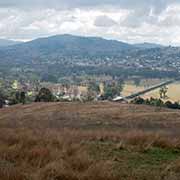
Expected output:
(89, 141)
(173, 90)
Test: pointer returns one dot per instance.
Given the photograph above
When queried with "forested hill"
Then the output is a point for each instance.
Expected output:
(146, 45)
(67, 55)
(5, 42)
(63, 45)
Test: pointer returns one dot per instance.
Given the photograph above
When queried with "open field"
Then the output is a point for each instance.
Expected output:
(173, 89)
(91, 141)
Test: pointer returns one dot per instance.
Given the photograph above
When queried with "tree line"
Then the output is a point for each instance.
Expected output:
(156, 102)
(111, 90)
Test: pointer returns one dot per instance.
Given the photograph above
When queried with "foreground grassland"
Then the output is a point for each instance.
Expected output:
(93, 141)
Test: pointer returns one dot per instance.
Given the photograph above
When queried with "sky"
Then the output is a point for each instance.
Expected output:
(133, 21)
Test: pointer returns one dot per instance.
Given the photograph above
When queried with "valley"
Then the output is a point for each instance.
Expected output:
(89, 90)
(84, 68)
(172, 92)
(58, 121)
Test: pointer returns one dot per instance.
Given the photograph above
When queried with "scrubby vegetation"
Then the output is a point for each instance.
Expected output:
(79, 155)
(156, 102)
(91, 141)
(45, 95)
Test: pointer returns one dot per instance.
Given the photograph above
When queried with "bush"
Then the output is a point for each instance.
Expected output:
(45, 95)
(138, 100)
(156, 102)
(1, 103)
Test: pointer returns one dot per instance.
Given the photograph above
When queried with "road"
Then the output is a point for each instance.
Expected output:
(134, 95)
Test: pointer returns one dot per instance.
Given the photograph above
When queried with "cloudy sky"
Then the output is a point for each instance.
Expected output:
(132, 21)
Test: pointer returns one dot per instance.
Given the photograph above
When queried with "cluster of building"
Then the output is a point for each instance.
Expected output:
(67, 92)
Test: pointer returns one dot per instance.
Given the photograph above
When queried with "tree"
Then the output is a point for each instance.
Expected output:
(18, 97)
(23, 97)
(111, 90)
(138, 100)
(1, 103)
(2, 99)
(171, 105)
(158, 102)
(168, 104)
(163, 92)
(44, 95)
(93, 90)
(93, 86)
(176, 105)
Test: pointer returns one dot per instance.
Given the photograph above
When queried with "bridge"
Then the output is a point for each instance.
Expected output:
(134, 95)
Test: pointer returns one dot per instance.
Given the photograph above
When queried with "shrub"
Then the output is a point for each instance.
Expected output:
(44, 95)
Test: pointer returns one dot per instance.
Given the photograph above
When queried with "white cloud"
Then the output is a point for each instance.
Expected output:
(126, 20)
(104, 21)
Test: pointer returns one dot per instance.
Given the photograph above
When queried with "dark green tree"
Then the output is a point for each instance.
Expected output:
(44, 95)
(17, 96)
(93, 90)
(171, 105)
(23, 97)
(112, 90)
(93, 86)
(1, 103)
(138, 100)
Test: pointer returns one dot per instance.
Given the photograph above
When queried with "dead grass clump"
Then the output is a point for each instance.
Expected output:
(38, 156)
(145, 174)
(172, 171)
(56, 171)
(120, 146)
(62, 171)
(138, 138)
(66, 154)
(11, 153)
(80, 161)
(146, 141)
(100, 171)
(166, 142)
(9, 172)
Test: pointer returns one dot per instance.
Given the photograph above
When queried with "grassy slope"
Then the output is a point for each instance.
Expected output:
(94, 141)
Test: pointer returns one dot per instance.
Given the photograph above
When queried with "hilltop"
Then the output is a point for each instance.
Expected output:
(147, 45)
(58, 46)
(6, 42)
(91, 115)
(89, 141)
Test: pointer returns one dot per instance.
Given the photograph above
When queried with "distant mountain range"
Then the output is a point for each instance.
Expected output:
(65, 45)
(64, 55)
(146, 45)
(5, 42)
(69, 45)
(67, 41)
